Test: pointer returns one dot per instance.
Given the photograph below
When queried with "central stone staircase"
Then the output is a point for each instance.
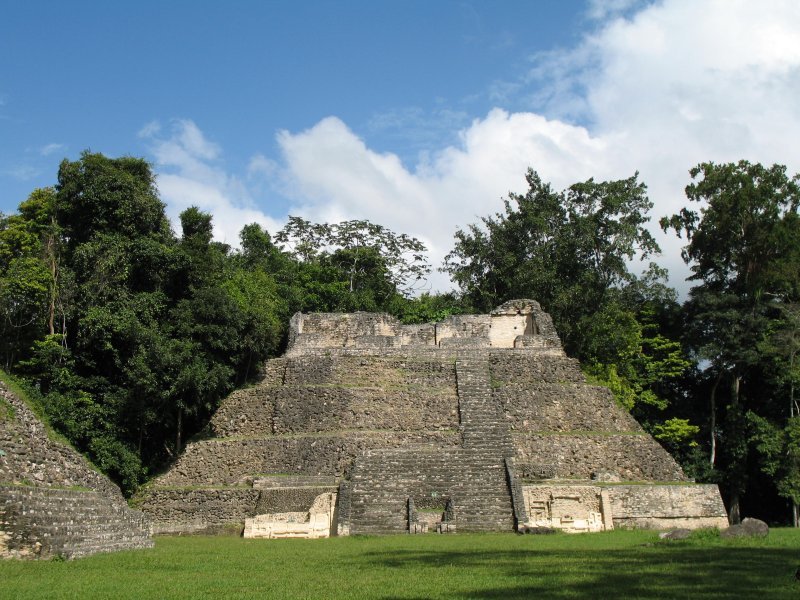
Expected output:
(482, 425)
(472, 477)
(486, 502)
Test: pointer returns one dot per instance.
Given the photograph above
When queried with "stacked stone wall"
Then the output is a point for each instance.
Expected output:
(418, 335)
(211, 510)
(632, 457)
(525, 365)
(283, 500)
(274, 371)
(548, 407)
(474, 327)
(318, 409)
(245, 412)
(227, 461)
(29, 456)
(198, 510)
(343, 392)
(42, 522)
(353, 370)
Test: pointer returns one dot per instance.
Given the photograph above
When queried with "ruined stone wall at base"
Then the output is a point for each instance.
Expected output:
(641, 505)
(211, 510)
(198, 510)
(666, 506)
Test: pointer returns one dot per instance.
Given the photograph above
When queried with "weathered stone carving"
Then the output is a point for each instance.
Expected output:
(317, 522)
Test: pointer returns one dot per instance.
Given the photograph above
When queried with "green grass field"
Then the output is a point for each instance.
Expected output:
(619, 564)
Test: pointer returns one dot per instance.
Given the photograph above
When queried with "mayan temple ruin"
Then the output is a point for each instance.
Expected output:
(475, 423)
(52, 501)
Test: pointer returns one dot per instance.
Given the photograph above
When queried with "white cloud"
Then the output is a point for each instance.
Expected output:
(188, 175)
(603, 9)
(677, 83)
(49, 149)
(655, 89)
(336, 176)
(151, 129)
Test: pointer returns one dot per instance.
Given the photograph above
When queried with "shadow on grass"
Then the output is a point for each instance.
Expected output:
(657, 571)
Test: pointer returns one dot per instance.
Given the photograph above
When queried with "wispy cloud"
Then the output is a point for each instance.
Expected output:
(603, 9)
(49, 149)
(22, 172)
(418, 130)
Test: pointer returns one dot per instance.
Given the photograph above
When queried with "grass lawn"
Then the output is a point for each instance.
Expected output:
(618, 564)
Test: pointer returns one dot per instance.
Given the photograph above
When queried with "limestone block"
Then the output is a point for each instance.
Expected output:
(652, 506)
(576, 455)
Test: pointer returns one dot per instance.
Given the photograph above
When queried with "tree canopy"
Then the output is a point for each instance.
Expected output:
(130, 335)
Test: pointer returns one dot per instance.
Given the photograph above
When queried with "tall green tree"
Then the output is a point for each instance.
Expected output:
(353, 265)
(743, 252)
(29, 274)
(570, 250)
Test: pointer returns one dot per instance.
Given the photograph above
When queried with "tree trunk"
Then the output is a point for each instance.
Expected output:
(735, 511)
(713, 423)
(792, 412)
(178, 433)
(793, 409)
(51, 256)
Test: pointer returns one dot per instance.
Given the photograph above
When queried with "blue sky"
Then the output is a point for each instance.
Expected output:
(419, 115)
(93, 74)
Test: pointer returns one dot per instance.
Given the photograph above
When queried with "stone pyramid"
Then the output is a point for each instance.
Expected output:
(475, 423)
(52, 502)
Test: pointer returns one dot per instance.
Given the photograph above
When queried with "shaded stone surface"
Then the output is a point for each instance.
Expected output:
(747, 528)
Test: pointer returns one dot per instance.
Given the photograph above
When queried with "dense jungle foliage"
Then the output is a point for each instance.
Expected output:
(130, 336)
